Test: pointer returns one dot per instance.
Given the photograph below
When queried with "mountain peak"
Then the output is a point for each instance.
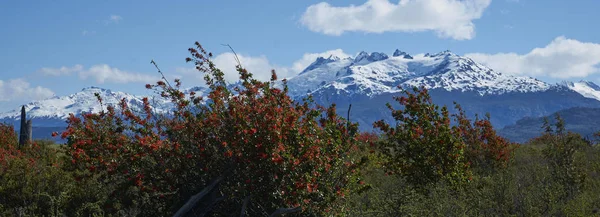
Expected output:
(590, 84)
(319, 62)
(95, 89)
(364, 57)
(361, 55)
(399, 53)
(440, 54)
(444, 53)
(587, 89)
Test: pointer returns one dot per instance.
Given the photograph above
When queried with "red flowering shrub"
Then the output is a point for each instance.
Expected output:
(8, 143)
(485, 149)
(423, 147)
(270, 151)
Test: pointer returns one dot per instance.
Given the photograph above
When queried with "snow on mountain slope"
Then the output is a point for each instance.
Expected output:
(460, 73)
(585, 88)
(376, 73)
(320, 72)
(83, 101)
(365, 75)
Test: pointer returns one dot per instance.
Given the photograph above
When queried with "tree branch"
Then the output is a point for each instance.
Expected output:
(282, 211)
(163, 75)
(189, 205)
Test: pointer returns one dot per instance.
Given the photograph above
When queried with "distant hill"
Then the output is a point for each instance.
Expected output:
(585, 121)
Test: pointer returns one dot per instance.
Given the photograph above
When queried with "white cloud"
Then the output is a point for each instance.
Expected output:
(259, 66)
(190, 76)
(61, 71)
(104, 73)
(448, 18)
(19, 89)
(101, 73)
(562, 58)
(115, 18)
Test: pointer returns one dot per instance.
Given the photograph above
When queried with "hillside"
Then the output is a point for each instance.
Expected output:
(585, 121)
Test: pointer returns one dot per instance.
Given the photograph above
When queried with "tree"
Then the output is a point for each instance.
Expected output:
(546, 126)
(560, 124)
(423, 147)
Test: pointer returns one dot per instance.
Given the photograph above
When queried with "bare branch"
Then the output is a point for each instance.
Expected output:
(163, 75)
(282, 211)
(189, 205)
(235, 54)
(243, 213)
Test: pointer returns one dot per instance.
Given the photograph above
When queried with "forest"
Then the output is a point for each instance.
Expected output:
(254, 151)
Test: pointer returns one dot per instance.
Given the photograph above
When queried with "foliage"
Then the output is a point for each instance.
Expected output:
(266, 147)
(560, 152)
(552, 175)
(264, 151)
(31, 181)
(423, 147)
(485, 149)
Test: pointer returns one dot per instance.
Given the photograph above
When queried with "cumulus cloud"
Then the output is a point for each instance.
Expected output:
(65, 70)
(102, 73)
(259, 66)
(448, 18)
(190, 76)
(19, 89)
(562, 58)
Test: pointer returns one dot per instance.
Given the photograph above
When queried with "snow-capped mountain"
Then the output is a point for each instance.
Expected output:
(585, 88)
(377, 73)
(57, 109)
(370, 80)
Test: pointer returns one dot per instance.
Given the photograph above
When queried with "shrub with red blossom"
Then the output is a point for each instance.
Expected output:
(485, 150)
(8, 142)
(267, 150)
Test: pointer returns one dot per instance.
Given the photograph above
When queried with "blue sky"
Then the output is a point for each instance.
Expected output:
(59, 47)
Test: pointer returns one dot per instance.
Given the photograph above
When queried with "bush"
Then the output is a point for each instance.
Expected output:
(423, 147)
(485, 150)
(31, 181)
(265, 150)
